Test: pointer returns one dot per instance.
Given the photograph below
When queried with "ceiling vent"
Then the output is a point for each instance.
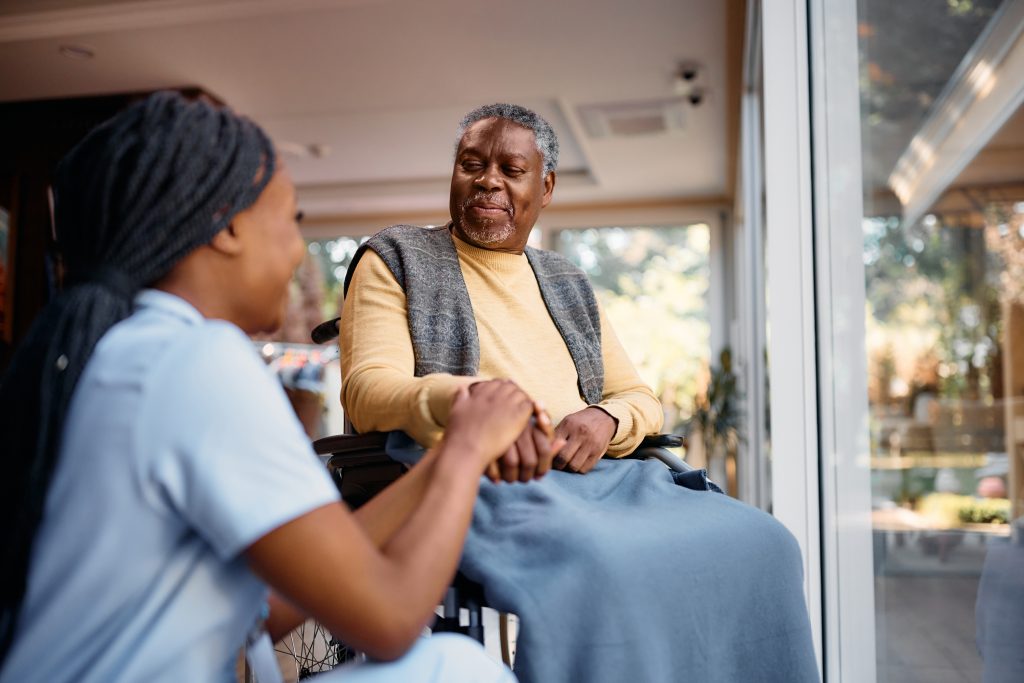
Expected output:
(628, 119)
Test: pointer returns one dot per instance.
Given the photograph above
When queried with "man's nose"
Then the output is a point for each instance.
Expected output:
(488, 179)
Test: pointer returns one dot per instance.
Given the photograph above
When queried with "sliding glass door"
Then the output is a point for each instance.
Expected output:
(903, 261)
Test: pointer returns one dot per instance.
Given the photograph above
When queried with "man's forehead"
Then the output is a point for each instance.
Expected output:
(511, 137)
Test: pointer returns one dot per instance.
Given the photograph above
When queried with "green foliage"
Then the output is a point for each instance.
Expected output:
(943, 509)
(951, 510)
(652, 283)
(960, 7)
(334, 257)
(1004, 235)
(716, 411)
(940, 277)
(986, 511)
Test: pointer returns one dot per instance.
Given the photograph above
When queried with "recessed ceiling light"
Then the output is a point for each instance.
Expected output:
(77, 52)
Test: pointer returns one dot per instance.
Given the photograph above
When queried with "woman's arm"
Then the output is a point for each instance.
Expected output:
(379, 598)
(284, 617)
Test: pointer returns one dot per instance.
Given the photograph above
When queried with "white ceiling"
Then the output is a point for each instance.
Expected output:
(382, 83)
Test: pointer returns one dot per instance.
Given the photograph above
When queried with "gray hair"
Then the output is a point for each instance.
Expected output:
(546, 140)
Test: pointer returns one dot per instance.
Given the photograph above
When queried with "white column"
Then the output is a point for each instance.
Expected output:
(790, 281)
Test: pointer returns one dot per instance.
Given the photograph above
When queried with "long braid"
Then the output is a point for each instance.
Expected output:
(137, 195)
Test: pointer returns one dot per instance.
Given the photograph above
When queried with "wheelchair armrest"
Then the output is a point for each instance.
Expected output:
(655, 445)
(671, 460)
(359, 465)
(350, 443)
(351, 450)
(663, 441)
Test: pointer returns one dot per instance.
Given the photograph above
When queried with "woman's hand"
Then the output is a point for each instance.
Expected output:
(486, 418)
(531, 455)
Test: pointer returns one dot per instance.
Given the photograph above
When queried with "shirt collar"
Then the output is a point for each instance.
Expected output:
(159, 300)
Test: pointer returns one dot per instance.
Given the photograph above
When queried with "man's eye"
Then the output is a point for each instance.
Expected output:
(513, 171)
(471, 165)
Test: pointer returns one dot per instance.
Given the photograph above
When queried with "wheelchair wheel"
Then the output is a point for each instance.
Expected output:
(309, 650)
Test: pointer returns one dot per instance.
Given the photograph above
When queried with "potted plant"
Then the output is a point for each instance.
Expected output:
(714, 425)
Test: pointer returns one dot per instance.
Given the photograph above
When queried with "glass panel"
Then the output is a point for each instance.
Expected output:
(653, 285)
(945, 305)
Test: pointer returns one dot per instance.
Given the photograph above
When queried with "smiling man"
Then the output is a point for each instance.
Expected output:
(622, 573)
(433, 309)
(499, 185)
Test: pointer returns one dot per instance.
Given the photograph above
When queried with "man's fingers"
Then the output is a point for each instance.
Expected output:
(546, 461)
(543, 420)
(493, 473)
(591, 462)
(527, 455)
(579, 461)
(542, 446)
(510, 465)
(565, 457)
(564, 454)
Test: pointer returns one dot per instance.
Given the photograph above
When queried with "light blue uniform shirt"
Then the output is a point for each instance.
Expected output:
(180, 450)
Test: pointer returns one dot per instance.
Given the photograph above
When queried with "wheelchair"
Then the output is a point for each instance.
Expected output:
(361, 467)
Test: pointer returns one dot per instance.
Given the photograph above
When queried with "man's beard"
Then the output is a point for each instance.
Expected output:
(487, 231)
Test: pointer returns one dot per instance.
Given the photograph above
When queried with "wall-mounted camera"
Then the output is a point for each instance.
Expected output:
(686, 83)
(688, 71)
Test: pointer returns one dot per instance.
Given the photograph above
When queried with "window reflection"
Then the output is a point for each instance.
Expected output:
(945, 344)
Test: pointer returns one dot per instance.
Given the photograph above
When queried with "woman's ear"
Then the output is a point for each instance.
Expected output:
(226, 241)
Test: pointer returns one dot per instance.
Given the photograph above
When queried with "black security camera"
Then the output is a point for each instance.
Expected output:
(688, 71)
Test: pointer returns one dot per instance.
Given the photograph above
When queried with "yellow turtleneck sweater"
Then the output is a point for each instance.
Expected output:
(518, 341)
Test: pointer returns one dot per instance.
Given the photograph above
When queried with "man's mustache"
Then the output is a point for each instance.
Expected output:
(489, 200)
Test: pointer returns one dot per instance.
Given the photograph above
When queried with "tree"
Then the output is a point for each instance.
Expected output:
(652, 283)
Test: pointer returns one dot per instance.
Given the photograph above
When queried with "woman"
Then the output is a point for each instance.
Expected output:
(158, 482)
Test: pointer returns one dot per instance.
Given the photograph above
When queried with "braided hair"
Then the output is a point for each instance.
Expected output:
(132, 199)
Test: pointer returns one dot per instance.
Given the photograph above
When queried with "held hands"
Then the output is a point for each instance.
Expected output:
(487, 417)
(587, 434)
(531, 454)
(514, 435)
(528, 453)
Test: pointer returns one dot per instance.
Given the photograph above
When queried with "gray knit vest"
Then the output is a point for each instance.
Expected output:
(441, 321)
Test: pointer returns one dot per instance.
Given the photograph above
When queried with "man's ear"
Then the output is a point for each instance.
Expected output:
(226, 241)
(549, 189)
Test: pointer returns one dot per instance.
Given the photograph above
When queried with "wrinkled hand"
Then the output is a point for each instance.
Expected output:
(530, 456)
(587, 434)
(488, 418)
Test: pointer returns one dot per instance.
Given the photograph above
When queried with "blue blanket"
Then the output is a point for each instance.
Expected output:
(623, 574)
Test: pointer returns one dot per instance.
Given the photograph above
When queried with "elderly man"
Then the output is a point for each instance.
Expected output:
(502, 179)
(590, 563)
